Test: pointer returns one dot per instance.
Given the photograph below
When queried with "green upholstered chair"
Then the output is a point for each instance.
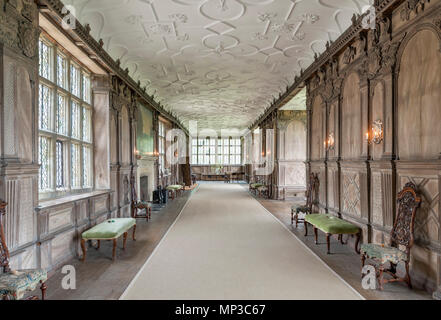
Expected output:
(298, 211)
(402, 234)
(15, 284)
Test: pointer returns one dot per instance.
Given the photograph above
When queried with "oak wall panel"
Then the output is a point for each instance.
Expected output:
(419, 96)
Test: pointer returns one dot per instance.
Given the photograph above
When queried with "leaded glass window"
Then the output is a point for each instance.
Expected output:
(87, 172)
(162, 145)
(43, 159)
(65, 151)
(61, 71)
(211, 151)
(86, 125)
(59, 154)
(86, 88)
(61, 116)
(45, 110)
(45, 56)
(76, 116)
(75, 75)
(76, 165)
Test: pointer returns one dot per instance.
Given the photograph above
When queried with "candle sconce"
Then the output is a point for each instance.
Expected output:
(376, 135)
(330, 142)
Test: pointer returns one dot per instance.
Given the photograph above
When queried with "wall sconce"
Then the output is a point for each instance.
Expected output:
(376, 135)
(137, 155)
(330, 142)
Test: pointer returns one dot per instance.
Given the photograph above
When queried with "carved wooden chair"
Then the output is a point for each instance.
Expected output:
(311, 198)
(402, 235)
(263, 191)
(14, 284)
(256, 182)
(138, 206)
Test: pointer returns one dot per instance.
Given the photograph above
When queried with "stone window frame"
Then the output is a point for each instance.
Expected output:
(84, 168)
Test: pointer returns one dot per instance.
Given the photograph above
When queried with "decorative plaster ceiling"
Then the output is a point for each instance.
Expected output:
(296, 103)
(220, 62)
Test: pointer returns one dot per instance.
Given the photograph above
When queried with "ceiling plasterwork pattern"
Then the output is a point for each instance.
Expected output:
(220, 62)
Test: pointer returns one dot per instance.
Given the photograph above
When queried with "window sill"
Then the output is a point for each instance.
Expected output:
(45, 204)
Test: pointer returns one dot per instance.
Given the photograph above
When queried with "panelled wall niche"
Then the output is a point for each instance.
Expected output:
(86, 108)
(387, 78)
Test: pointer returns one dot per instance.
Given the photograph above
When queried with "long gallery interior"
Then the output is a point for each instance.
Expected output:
(220, 149)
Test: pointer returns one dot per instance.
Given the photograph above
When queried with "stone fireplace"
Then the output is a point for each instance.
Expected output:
(146, 177)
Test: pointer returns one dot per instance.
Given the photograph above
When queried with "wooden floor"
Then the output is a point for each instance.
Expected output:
(100, 278)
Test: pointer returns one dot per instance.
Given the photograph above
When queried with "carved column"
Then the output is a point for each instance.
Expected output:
(19, 168)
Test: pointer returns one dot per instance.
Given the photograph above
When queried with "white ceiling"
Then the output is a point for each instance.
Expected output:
(219, 62)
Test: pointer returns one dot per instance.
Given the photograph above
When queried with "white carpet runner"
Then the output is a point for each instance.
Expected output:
(225, 245)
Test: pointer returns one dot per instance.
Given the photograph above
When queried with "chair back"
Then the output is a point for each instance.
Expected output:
(4, 252)
(312, 190)
(408, 202)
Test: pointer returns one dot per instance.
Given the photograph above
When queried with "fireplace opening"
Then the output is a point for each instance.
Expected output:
(144, 188)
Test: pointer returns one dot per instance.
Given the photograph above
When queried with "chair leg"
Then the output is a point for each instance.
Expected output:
(124, 240)
(98, 244)
(114, 249)
(328, 242)
(363, 261)
(43, 288)
(306, 227)
(357, 242)
(133, 235)
(409, 282)
(380, 276)
(83, 248)
(316, 235)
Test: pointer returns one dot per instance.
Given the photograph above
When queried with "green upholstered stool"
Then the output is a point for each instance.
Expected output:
(331, 225)
(110, 229)
(14, 284)
(174, 189)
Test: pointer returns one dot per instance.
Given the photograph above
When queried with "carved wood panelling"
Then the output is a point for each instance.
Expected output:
(377, 199)
(419, 112)
(10, 98)
(351, 118)
(351, 193)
